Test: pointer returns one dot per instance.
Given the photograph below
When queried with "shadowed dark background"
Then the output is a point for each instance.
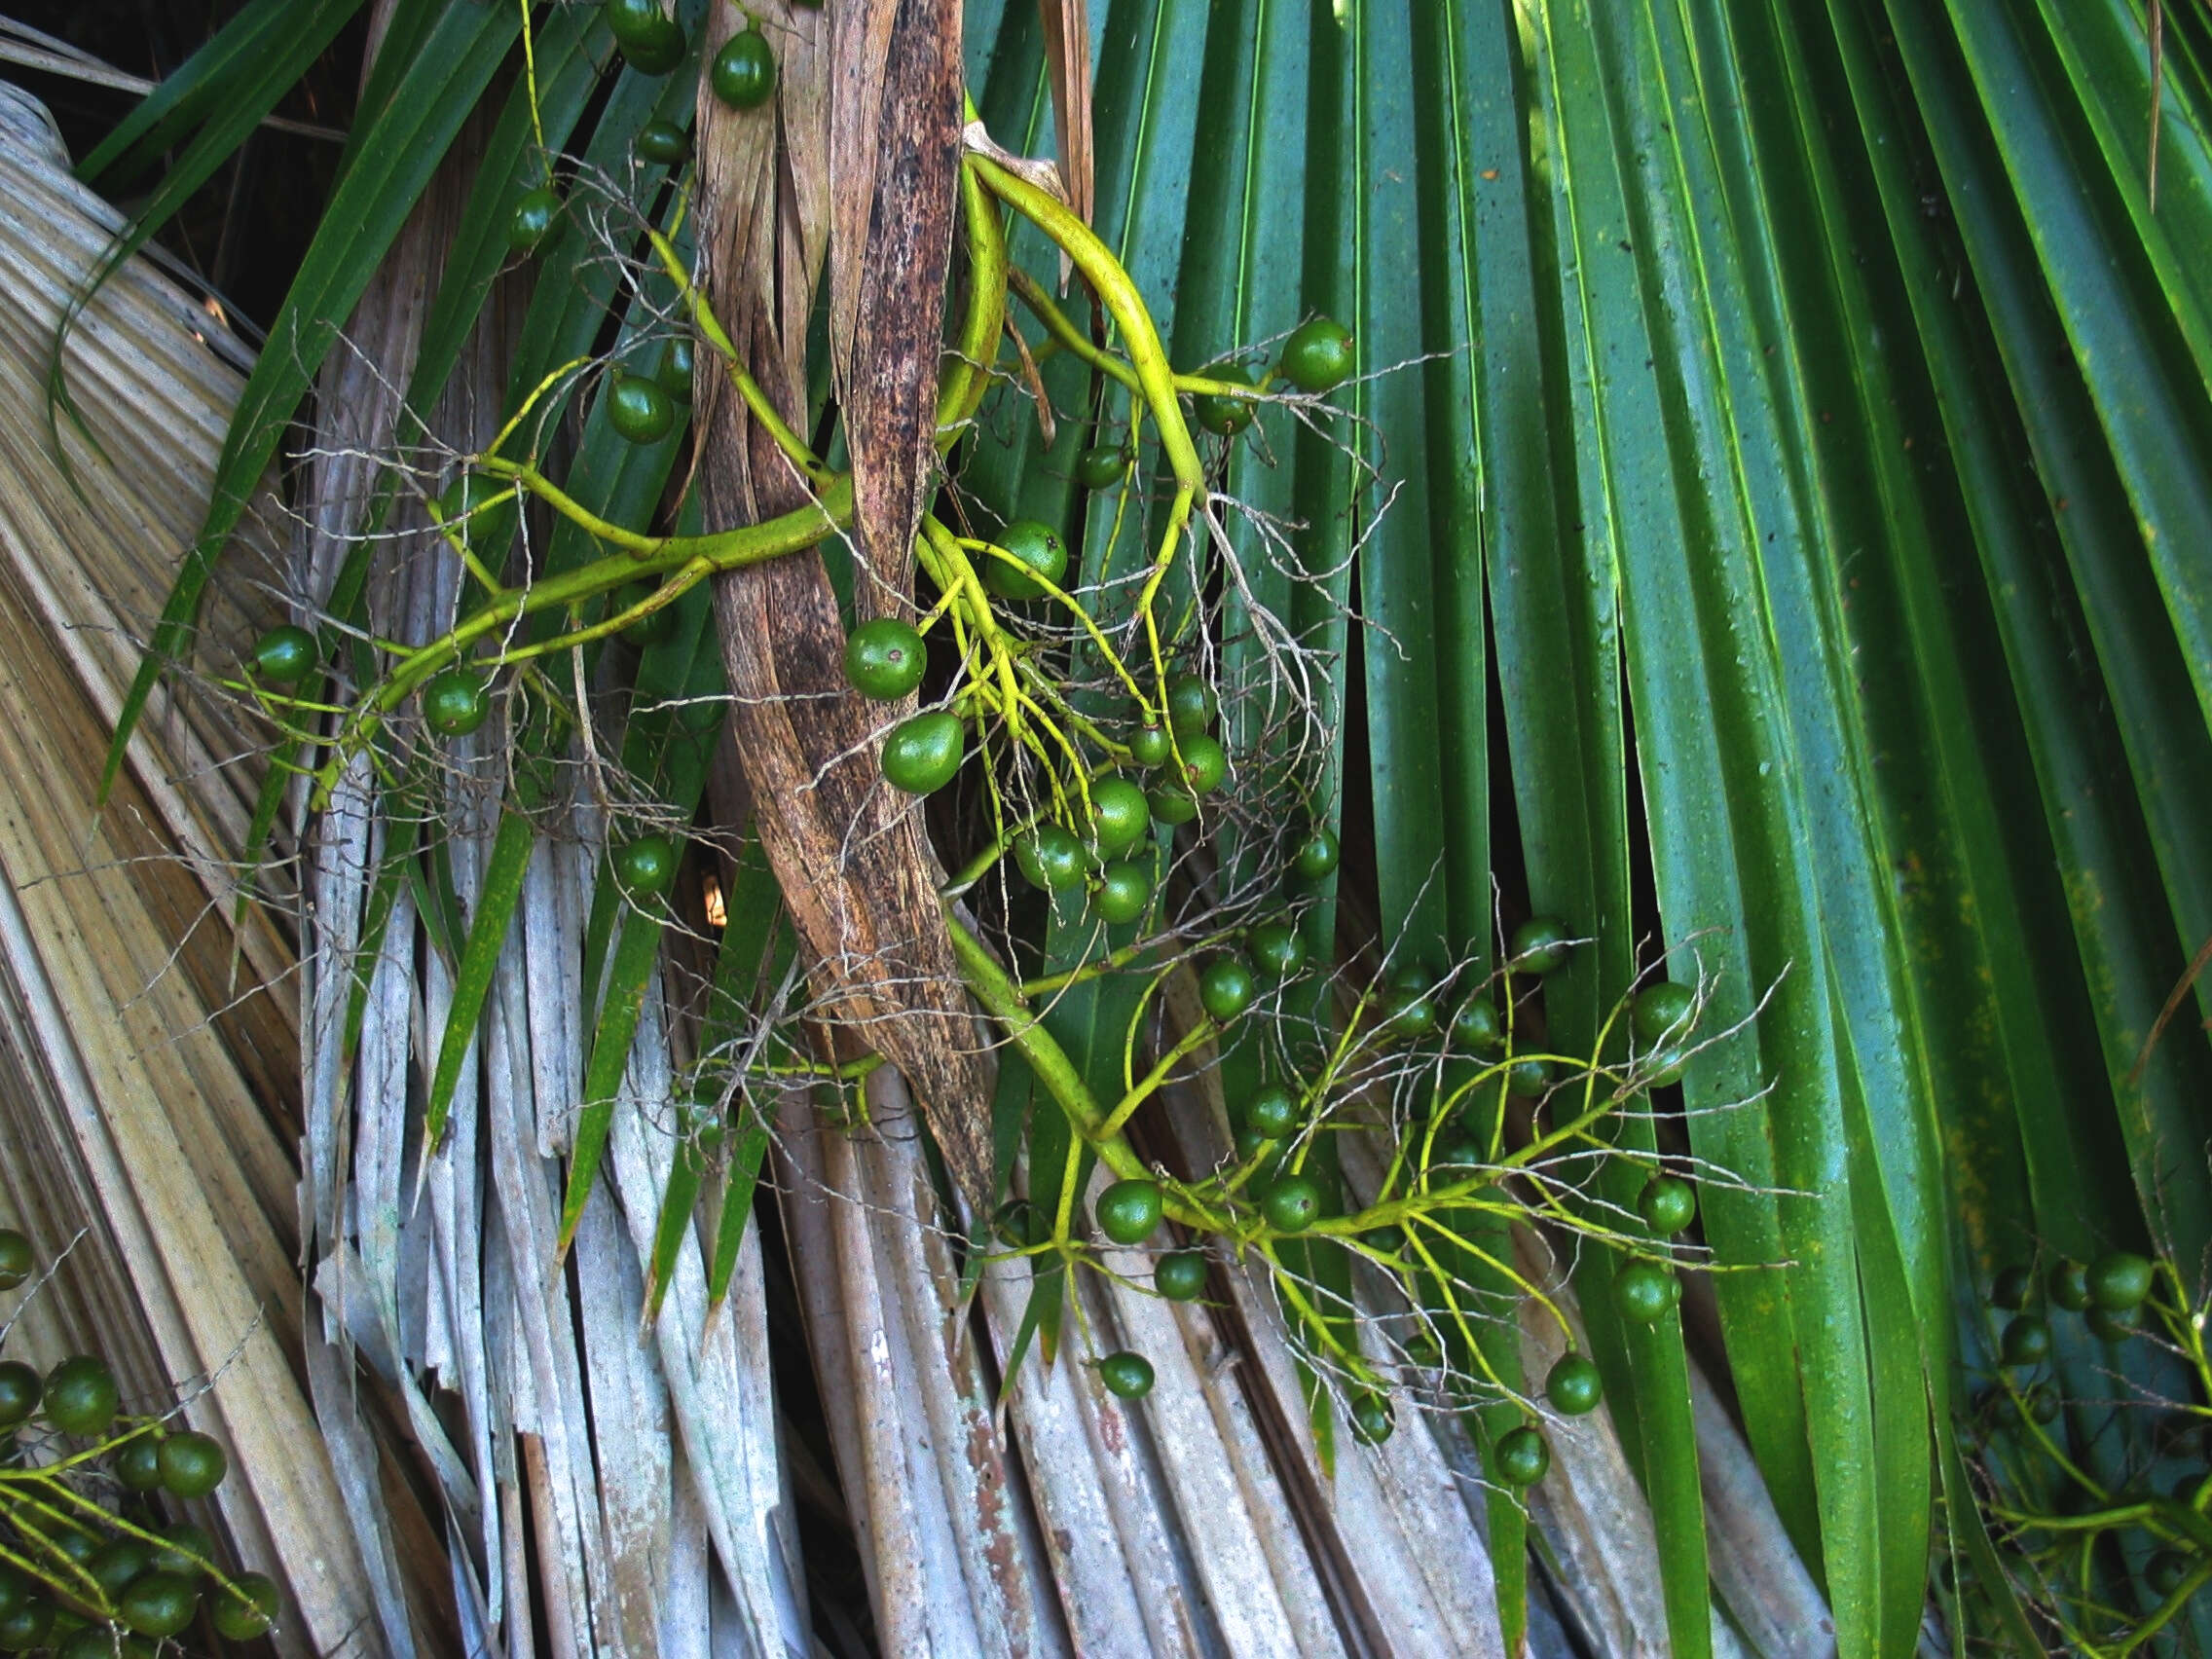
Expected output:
(245, 231)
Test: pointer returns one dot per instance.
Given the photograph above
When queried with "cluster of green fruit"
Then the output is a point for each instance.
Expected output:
(1172, 746)
(2060, 1544)
(2109, 1293)
(88, 1565)
(743, 75)
(480, 513)
(1316, 358)
(1291, 1197)
(1643, 1290)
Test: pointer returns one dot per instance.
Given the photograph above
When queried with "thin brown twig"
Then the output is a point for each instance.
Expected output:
(2196, 967)
(2157, 93)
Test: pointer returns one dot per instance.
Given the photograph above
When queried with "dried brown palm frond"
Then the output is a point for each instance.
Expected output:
(148, 1079)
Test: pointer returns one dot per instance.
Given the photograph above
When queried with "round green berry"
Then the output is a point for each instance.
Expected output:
(1103, 466)
(1128, 1211)
(1122, 893)
(1538, 945)
(1317, 856)
(20, 1390)
(138, 1465)
(663, 143)
(192, 1464)
(185, 1549)
(1521, 1456)
(1317, 356)
(1277, 948)
(1204, 763)
(1191, 705)
(2002, 1409)
(81, 1396)
(1662, 1011)
(1371, 1419)
(1172, 805)
(456, 703)
(743, 73)
(1476, 1027)
(534, 211)
(65, 1543)
(2068, 1284)
(922, 753)
(1127, 1376)
(1272, 1111)
(639, 409)
(1120, 816)
(1575, 1387)
(645, 867)
(1150, 746)
(1020, 1224)
(1668, 1204)
(2011, 1288)
(2026, 1341)
(675, 373)
(28, 1626)
(118, 1561)
(96, 1641)
(2119, 1280)
(1051, 856)
(285, 657)
(657, 48)
(1643, 1293)
(1180, 1276)
(481, 510)
(1218, 412)
(1293, 1202)
(1453, 1154)
(1528, 1079)
(885, 658)
(1408, 1014)
(159, 1603)
(2111, 1324)
(1226, 988)
(629, 21)
(248, 1608)
(1386, 1240)
(1037, 551)
(2165, 1572)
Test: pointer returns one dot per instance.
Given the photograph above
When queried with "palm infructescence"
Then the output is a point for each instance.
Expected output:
(1765, 533)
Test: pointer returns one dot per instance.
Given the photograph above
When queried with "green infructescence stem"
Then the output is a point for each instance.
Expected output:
(1288, 1287)
(1004, 1001)
(1070, 338)
(1148, 358)
(976, 347)
(640, 556)
(1109, 963)
(1143, 1089)
(19, 1489)
(757, 401)
(2168, 1611)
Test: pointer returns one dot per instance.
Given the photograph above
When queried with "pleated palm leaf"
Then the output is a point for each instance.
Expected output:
(1776, 444)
